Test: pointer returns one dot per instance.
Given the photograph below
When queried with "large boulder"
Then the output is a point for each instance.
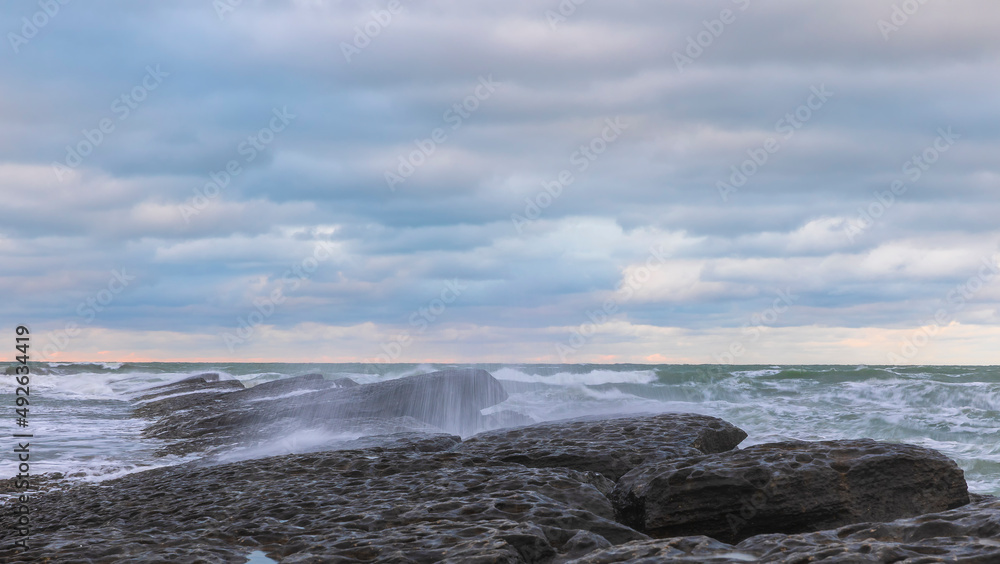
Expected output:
(787, 487)
(611, 446)
(969, 534)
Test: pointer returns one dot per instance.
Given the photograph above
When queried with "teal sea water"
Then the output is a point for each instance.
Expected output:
(80, 413)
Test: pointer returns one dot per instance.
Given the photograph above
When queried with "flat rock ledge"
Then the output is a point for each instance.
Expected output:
(612, 446)
(788, 487)
(407, 500)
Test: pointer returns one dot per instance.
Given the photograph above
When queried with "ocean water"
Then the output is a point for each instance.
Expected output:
(80, 414)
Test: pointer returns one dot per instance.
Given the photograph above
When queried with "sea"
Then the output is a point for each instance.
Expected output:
(82, 426)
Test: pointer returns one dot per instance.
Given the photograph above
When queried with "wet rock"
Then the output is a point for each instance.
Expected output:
(36, 483)
(207, 382)
(977, 498)
(788, 487)
(404, 442)
(274, 388)
(609, 446)
(487, 542)
(449, 400)
(191, 381)
(190, 392)
(700, 549)
(969, 534)
(405, 500)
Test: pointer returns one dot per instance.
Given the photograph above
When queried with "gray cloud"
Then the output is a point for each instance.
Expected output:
(323, 177)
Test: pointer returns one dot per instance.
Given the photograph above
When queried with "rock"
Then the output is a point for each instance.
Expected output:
(202, 382)
(489, 542)
(48, 481)
(788, 487)
(700, 549)
(446, 401)
(976, 498)
(449, 399)
(969, 534)
(404, 442)
(196, 380)
(609, 446)
(287, 385)
(405, 500)
(183, 394)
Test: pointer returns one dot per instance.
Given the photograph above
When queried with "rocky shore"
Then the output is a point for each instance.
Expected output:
(640, 488)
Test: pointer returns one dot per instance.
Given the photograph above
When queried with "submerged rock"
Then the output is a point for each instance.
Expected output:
(788, 487)
(610, 446)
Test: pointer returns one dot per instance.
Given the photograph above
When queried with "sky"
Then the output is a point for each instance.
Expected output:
(724, 181)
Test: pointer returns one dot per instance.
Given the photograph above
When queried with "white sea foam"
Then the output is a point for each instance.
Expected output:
(757, 373)
(296, 442)
(283, 396)
(592, 378)
(78, 387)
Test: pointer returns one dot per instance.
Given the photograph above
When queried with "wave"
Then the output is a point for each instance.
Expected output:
(77, 367)
(592, 378)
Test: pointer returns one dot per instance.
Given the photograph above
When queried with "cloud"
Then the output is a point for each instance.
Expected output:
(793, 225)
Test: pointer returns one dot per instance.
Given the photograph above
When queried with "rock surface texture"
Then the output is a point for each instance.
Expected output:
(609, 446)
(374, 504)
(788, 487)
(969, 534)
